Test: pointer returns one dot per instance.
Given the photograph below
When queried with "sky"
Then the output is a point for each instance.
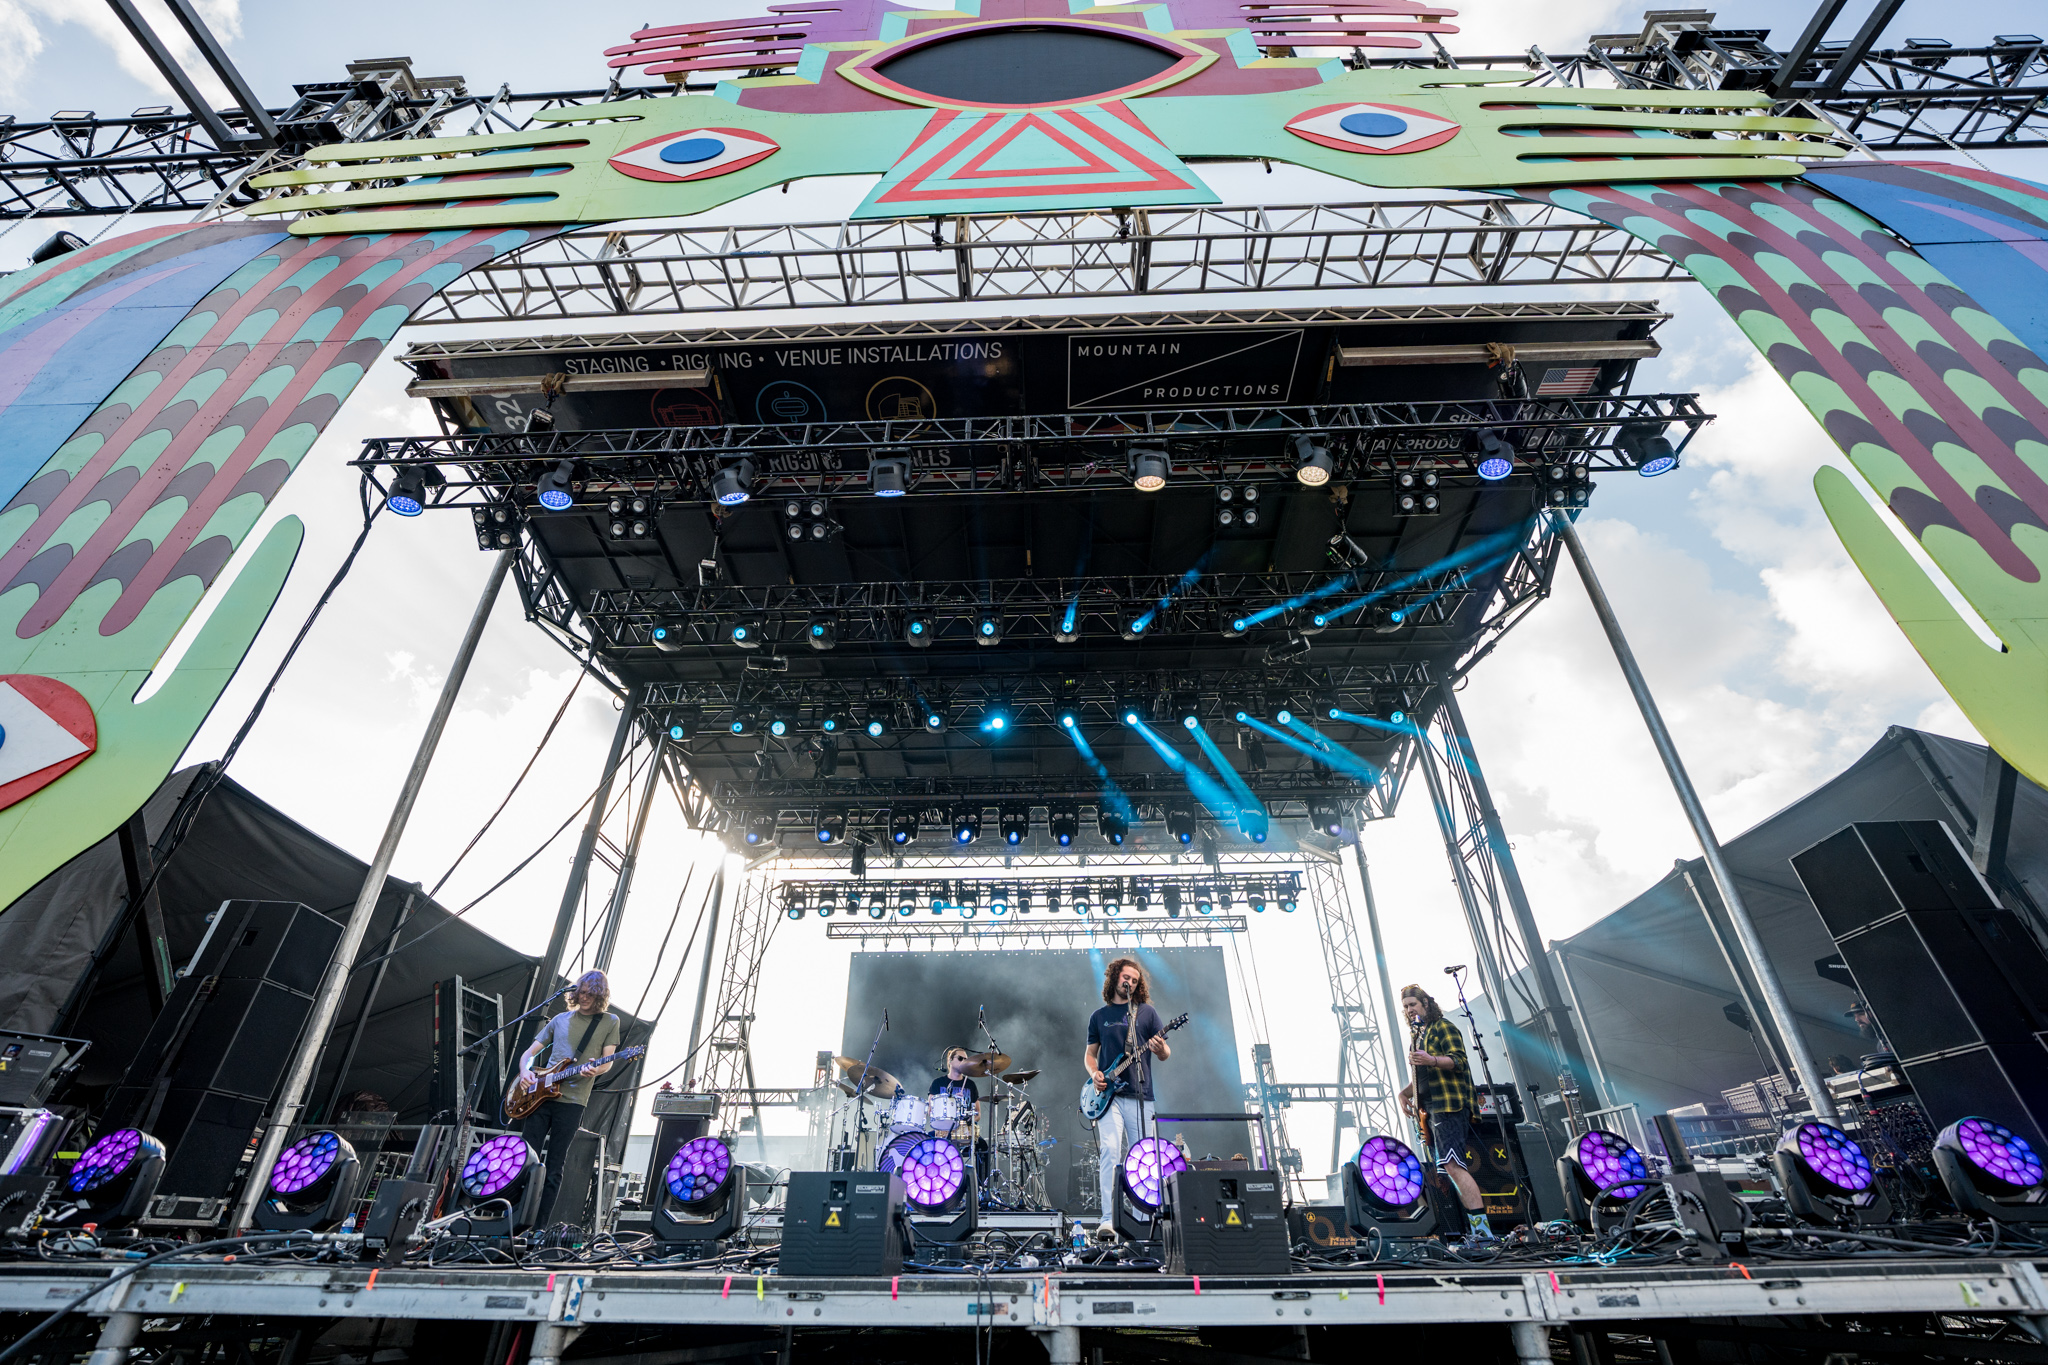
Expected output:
(1772, 661)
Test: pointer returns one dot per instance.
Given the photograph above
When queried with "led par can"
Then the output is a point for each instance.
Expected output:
(1991, 1171)
(1141, 1187)
(500, 1187)
(1827, 1179)
(703, 1194)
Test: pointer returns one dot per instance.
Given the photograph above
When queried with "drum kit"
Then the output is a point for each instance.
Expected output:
(880, 1120)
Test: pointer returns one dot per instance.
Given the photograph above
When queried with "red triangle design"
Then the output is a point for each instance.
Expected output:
(923, 186)
(1090, 162)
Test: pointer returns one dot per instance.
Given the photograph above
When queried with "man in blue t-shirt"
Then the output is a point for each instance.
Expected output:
(1126, 1025)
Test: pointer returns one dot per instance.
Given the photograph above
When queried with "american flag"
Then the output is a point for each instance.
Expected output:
(1574, 379)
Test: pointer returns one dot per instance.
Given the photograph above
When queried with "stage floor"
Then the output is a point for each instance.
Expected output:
(1569, 1295)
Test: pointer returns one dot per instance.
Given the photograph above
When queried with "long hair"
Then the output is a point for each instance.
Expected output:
(1109, 975)
(597, 984)
(1430, 1012)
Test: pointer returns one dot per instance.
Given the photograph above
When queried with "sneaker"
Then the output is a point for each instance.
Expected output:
(1105, 1232)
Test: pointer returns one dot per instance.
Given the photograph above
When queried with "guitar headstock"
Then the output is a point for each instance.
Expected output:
(1177, 1023)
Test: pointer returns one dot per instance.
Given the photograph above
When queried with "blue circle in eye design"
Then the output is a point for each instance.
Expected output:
(691, 150)
(1361, 124)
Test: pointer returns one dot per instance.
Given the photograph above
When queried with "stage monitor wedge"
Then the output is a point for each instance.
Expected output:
(1958, 985)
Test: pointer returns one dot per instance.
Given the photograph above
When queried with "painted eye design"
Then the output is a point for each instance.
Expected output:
(697, 154)
(1376, 129)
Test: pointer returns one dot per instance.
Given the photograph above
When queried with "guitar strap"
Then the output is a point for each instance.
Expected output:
(588, 1029)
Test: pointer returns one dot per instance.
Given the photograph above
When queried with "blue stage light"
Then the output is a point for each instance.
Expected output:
(408, 495)
(1190, 722)
(733, 484)
(876, 727)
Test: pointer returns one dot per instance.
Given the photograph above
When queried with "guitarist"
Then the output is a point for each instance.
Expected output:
(1443, 1097)
(1125, 1026)
(584, 1031)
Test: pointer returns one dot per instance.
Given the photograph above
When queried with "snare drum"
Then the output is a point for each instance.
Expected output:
(907, 1114)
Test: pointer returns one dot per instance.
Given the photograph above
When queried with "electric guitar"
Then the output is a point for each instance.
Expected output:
(1095, 1103)
(522, 1099)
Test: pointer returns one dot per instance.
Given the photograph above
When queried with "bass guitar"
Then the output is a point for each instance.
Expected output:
(522, 1099)
(1095, 1103)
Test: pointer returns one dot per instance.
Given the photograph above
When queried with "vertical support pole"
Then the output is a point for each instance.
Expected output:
(616, 911)
(543, 982)
(1379, 952)
(1768, 981)
(327, 999)
(1694, 874)
(116, 1339)
(1571, 990)
(690, 1067)
(1560, 1021)
(1475, 922)
(151, 943)
(355, 1036)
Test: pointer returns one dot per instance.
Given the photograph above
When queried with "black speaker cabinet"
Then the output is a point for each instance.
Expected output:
(1491, 1158)
(1225, 1223)
(1957, 984)
(842, 1223)
(208, 1067)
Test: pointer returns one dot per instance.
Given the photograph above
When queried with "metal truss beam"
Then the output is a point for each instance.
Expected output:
(1042, 930)
(868, 800)
(1049, 453)
(1067, 254)
(728, 1066)
(1364, 1092)
(1140, 894)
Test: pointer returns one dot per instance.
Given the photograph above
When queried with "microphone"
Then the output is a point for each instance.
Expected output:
(1453, 971)
(885, 1021)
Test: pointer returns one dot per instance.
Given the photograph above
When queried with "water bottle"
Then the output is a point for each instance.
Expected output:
(1080, 1236)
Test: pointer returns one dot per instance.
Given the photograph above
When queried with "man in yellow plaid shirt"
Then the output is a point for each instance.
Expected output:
(1442, 1088)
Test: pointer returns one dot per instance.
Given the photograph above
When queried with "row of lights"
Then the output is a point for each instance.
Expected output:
(967, 901)
(998, 717)
(922, 626)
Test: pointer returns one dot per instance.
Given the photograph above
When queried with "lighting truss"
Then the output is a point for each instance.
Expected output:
(864, 801)
(1222, 890)
(1055, 452)
(1065, 929)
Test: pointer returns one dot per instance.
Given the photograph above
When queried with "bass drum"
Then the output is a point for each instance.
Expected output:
(897, 1149)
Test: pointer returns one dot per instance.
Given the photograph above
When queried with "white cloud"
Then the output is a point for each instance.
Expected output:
(22, 38)
(20, 45)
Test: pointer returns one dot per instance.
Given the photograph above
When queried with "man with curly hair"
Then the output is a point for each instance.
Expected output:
(1125, 1026)
(1443, 1090)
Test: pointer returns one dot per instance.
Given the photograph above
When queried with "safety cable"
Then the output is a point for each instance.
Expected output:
(560, 711)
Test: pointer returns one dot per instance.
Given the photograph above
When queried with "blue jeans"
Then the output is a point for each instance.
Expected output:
(1115, 1131)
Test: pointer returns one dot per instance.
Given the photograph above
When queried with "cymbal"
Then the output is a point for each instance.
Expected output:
(985, 1063)
(877, 1081)
(1019, 1077)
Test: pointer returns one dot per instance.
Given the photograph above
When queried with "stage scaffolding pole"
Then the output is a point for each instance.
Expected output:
(334, 983)
(1768, 981)
(615, 913)
(543, 981)
(704, 977)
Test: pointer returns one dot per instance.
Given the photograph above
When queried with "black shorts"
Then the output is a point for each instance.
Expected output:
(1449, 1135)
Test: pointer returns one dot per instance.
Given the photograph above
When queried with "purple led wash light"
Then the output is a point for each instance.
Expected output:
(1606, 1158)
(1391, 1170)
(110, 1158)
(1832, 1155)
(305, 1162)
(933, 1171)
(698, 1169)
(1146, 1167)
(495, 1165)
(1997, 1151)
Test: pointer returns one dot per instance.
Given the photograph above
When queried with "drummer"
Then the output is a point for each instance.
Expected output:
(956, 1082)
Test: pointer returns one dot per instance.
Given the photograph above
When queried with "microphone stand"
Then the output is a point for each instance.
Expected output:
(860, 1084)
(1500, 1118)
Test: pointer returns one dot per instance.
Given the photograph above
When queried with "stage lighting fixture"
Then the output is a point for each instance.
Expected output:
(502, 1170)
(702, 1197)
(794, 529)
(631, 516)
(408, 495)
(1290, 893)
(1180, 821)
(741, 723)
(988, 628)
(1141, 1186)
(996, 720)
(1601, 1172)
(1567, 486)
(748, 632)
(781, 720)
(1415, 493)
(1188, 707)
(1150, 466)
(1111, 905)
(1327, 816)
(836, 723)
(1254, 823)
(497, 528)
(1646, 448)
(312, 1186)
(878, 907)
(1015, 823)
(1081, 904)
(970, 902)
(857, 866)
(668, 636)
(877, 722)
(1052, 900)
(832, 827)
(760, 828)
(114, 1179)
(966, 823)
(888, 475)
(1827, 1179)
(1293, 647)
(1064, 822)
(999, 901)
(1114, 827)
(1136, 622)
(684, 722)
(733, 484)
(823, 632)
(919, 629)
(1991, 1171)
(1312, 463)
(1494, 458)
(1170, 897)
(554, 491)
(793, 902)
(906, 906)
(903, 827)
(1205, 901)
(1256, 898)
(939, 1190)
(1068, 715)
(540, 421)
(934, 714)
(1385, 1192)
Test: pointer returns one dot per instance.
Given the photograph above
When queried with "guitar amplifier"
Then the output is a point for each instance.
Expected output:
(1225, 1223)
(680, 1102)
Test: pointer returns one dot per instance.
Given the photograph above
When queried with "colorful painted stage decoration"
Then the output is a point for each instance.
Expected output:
(1935, 399)
(1037, 104)
(156, 390)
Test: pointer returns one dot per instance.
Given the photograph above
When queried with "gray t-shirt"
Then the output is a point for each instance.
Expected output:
(564, 1031)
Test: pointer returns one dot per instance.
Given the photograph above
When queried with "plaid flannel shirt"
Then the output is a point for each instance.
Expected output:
(1444, 1091)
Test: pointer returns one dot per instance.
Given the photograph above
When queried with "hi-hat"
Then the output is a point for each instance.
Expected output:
(985, 1063)
(1019, 1077)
